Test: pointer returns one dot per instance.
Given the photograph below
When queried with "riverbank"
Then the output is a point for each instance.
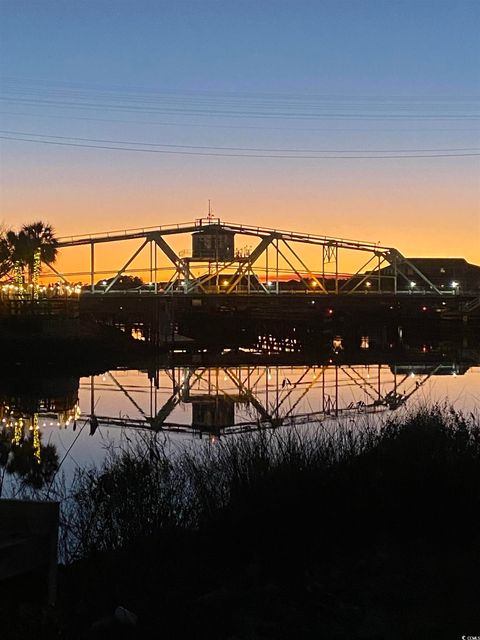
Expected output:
(39, 341)
(364, 533)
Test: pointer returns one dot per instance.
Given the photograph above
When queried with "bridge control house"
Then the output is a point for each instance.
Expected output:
(213, 243)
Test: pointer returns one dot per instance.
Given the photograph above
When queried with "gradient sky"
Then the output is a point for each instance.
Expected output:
(342, 75)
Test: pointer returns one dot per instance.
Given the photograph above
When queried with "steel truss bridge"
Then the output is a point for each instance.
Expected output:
(270, 267)
(232, 400)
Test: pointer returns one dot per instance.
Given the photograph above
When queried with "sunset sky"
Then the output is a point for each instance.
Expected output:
(304, 86)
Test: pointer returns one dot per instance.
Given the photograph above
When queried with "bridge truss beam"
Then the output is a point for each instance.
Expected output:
(384, 264)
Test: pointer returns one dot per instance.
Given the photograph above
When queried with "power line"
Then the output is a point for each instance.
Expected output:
(34, 86)
(213, 148)
(232, 155)
(223, 113)
(204, 125)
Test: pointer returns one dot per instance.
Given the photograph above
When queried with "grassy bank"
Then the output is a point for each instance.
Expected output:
(364, 532)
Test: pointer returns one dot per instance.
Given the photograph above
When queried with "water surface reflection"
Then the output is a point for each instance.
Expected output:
(221, 400)
(71, 420)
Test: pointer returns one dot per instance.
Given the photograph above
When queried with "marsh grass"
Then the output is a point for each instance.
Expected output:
(416, 473)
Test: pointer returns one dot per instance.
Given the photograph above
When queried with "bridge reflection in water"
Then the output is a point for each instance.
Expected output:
(227, 400)
(199, 400)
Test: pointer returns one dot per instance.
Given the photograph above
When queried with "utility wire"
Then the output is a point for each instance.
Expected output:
(210, 97)
(216, 125)
(211, 148)
(232, 155)
(49, 85)
(209, 112)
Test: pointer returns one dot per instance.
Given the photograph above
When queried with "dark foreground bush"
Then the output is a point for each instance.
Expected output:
(361, 532)
(415, 475)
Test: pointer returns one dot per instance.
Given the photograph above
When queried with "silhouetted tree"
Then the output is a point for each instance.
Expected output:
(37, 236)
(20, 248)
(124, 282)
(6, 264)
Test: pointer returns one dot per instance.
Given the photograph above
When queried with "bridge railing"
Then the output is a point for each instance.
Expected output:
(298, 236)
(239, 228)
(121, 233)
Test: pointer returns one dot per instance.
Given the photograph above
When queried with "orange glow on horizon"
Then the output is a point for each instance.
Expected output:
(428, 217)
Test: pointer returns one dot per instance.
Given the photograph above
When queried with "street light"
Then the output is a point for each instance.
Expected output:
(413, 284)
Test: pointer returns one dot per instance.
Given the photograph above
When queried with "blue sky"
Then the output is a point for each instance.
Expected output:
(386, 47)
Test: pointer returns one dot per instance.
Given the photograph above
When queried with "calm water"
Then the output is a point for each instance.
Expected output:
(81, 417)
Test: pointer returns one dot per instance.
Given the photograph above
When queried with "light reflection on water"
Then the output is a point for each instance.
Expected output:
(193, 402)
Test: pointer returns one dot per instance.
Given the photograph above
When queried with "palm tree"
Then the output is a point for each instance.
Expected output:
(6, 264)
(37, 238)
(16, 250)
(34, 242)
(13, 251)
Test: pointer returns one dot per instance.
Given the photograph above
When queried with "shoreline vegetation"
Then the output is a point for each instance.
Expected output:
(367, 531)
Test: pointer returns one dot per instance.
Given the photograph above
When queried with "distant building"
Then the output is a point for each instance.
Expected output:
(444, 273)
